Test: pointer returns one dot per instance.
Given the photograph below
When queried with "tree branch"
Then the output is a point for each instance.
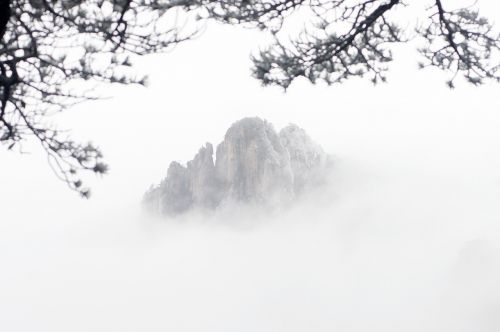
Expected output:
(4, 16)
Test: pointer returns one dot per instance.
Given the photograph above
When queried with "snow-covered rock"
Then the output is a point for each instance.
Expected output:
(254, 164)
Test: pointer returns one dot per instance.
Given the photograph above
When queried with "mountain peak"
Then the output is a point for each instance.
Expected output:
(254, 164)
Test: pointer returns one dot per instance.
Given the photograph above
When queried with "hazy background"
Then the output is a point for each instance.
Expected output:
(405, 238)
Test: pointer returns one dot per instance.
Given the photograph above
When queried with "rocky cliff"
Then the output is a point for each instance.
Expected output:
(254, 164)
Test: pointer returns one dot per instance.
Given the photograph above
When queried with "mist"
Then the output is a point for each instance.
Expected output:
(404, 237)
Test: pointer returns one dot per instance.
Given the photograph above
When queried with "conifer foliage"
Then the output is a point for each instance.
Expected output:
(53, 51)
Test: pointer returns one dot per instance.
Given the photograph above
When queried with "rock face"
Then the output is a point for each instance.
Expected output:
(254, 164)
(307, 159)
(204, 186)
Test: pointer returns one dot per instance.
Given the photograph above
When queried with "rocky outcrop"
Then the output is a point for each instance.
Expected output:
(308, 161)
(254, 164)
(173, 195)
(203, 183)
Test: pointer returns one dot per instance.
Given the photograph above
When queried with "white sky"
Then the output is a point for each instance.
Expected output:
(404, 240)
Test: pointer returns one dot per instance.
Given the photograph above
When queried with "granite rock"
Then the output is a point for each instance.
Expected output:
(254, 164)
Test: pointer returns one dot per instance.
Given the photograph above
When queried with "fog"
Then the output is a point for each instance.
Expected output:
(404, 238)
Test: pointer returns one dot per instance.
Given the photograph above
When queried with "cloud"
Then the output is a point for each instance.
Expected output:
(344, 258)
